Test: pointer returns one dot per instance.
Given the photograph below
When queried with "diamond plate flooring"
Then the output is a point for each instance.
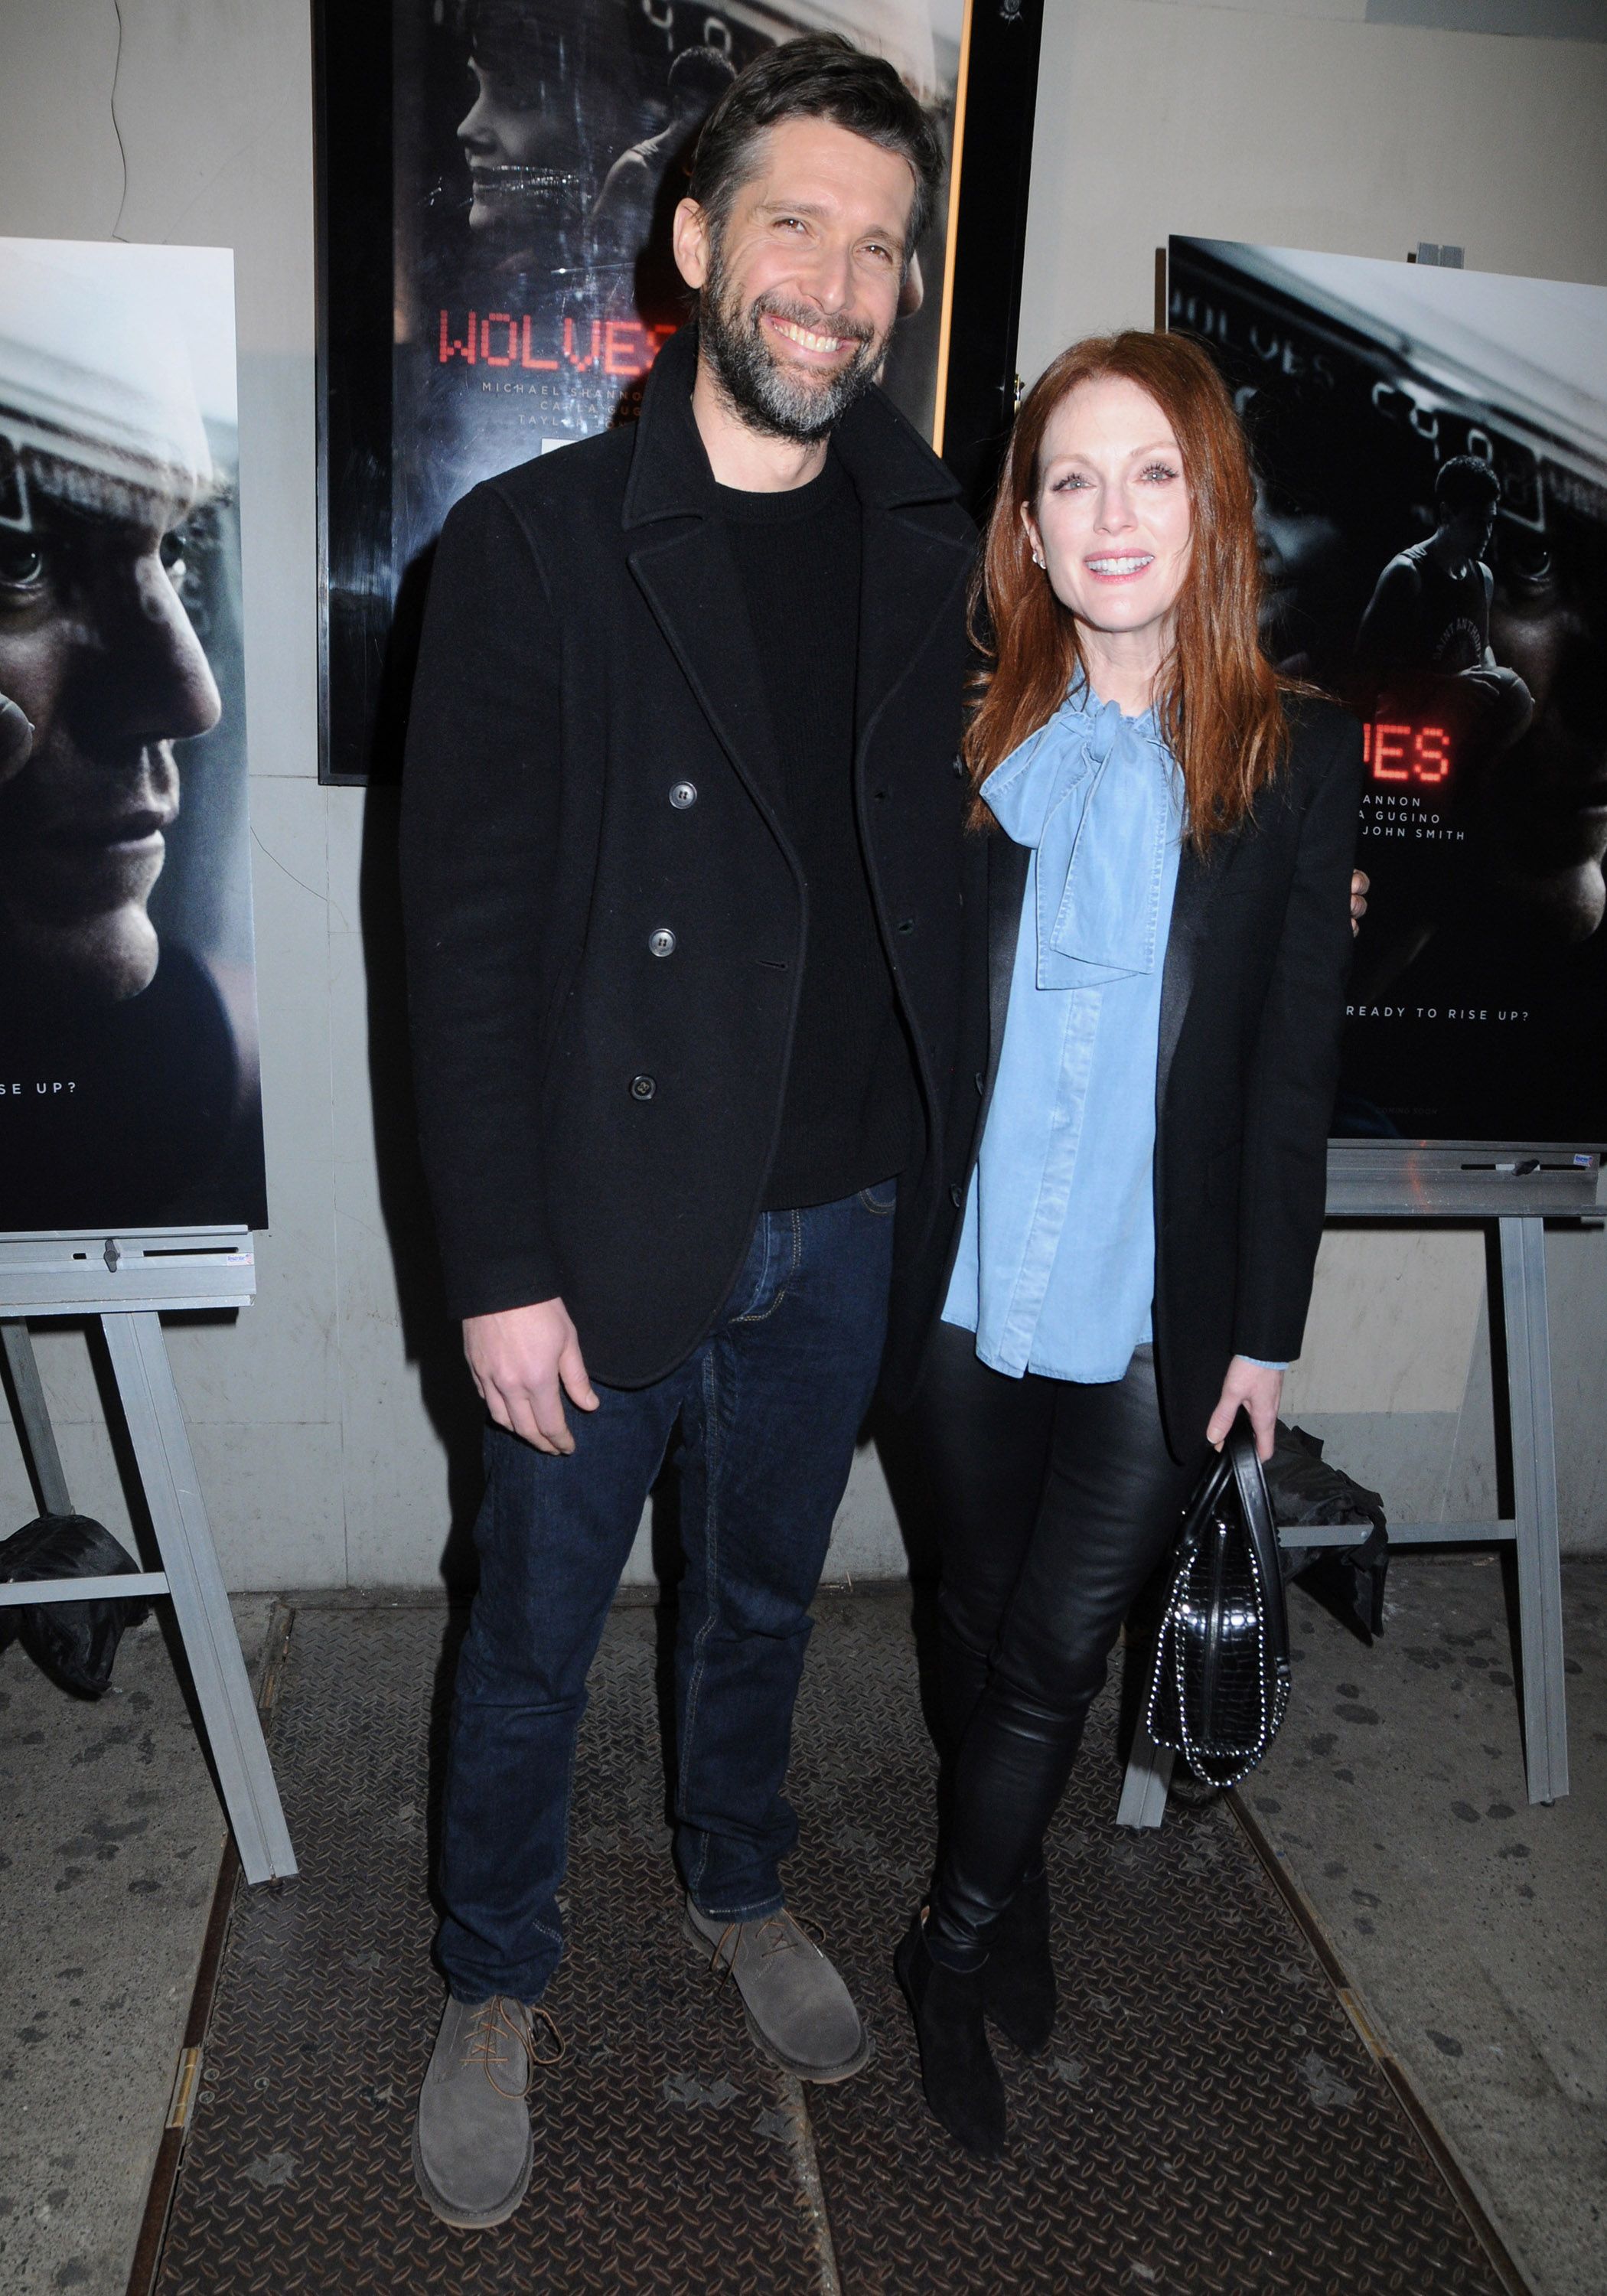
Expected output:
(1206, 2119)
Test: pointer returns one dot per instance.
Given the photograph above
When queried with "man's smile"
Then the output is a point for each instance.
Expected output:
(807, 339)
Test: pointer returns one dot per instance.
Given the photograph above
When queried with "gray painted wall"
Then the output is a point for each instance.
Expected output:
(333, 1432)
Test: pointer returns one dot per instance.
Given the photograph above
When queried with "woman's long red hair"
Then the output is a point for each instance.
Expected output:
(1220, 702)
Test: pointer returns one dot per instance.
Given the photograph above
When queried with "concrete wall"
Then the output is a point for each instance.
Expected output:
(334, 1433)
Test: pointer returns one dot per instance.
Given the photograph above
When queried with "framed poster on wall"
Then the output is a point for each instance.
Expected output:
(496, 181)
(1431, 455)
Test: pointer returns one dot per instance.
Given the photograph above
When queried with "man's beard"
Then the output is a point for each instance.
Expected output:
(778, 401)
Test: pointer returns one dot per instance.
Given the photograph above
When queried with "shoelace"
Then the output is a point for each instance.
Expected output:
(496, 2018)
(778, 1933)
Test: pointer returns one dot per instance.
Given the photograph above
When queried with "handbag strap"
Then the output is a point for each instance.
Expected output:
(1260, 1524)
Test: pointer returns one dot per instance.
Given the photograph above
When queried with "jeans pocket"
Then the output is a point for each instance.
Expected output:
(882, 1199)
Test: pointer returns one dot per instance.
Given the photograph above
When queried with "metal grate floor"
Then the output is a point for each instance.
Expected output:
(1207, 2118)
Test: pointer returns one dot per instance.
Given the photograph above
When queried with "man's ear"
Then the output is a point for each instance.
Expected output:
(689, 237)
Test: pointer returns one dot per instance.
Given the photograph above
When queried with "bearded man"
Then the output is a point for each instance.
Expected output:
(684, 882)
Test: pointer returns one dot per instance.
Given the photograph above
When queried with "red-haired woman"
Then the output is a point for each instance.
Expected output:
(1172, 830)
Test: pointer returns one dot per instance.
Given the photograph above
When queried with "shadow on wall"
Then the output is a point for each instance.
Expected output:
(430, 1337)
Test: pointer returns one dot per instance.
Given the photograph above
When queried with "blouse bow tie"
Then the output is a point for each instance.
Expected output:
(1098, 796)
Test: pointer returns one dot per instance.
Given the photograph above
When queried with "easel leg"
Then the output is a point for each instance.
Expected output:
(1535, 1492)
(161, 1447)
(37, 1433)
(1143, 1786)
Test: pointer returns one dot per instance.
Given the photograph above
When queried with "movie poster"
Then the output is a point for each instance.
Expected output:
(1432, 447)
(540, 150)
(129, 1074)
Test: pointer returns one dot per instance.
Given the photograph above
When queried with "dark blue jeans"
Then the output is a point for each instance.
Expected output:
(768, 1409)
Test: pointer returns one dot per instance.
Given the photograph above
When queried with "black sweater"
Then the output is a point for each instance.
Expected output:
(847, 1109)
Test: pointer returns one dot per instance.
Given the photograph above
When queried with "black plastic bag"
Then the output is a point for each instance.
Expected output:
(1305, 1490)
(75, 1643)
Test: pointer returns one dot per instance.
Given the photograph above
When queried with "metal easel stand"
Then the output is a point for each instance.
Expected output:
(129, 1281)
(1518, 1192)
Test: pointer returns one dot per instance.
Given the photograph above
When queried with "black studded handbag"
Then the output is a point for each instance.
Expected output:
(1221, 1680)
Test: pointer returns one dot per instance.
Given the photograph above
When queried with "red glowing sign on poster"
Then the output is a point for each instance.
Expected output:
(622, 347)
(1420, 754)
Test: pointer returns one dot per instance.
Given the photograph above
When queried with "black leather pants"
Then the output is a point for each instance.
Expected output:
(1056, 1501)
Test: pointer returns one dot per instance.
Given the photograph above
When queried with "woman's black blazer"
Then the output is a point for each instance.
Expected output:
(1252, 1000)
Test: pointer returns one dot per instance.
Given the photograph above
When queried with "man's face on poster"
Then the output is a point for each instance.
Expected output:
(1535, 815)
(97, 649)
(1303, 561)
(1544, 813)
(1470, 530)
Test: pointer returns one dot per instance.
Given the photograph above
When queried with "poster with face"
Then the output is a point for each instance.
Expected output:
(535, 153)
(1431, 455)
(129, 1074)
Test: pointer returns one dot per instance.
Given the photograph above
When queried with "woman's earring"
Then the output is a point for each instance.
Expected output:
(1036, 559)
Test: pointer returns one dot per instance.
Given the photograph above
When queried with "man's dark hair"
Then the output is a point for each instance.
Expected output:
(1463, 484)
(820, 77)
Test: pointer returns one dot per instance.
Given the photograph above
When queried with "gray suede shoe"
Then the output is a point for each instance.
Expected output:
(471, 2144)
(799, 2010)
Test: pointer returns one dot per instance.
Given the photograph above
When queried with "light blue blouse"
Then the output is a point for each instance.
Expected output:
(1056, 1266)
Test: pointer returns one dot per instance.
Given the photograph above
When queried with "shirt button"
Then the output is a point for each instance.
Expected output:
(643, 1088)
(684, 794)
(661, 943)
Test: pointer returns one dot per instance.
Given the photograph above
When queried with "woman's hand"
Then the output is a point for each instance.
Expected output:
(1361, 885)
(1258, 1389)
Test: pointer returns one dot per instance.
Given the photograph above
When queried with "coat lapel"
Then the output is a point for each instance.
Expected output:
(907, 573)
(1197, 880)
(684, 568)
(911, 555)
(689, 579)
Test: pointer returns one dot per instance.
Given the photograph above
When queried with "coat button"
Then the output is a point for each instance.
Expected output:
(956, 1196)
(981, 1081)
(662, 942)
(643, 1088)
(684, 794)
(907, 924)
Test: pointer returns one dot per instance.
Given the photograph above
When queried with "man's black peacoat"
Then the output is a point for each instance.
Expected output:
(1252, 1001)
(606, 923)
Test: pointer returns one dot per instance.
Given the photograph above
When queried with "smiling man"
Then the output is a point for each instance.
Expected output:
(683, 881)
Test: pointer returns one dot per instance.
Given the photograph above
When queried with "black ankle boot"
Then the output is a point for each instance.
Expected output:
(961, 2082)
(1018, 1978)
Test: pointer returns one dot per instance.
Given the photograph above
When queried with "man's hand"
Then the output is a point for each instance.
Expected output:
(1260, 1390)
(524, 1361)
(1361, 885)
